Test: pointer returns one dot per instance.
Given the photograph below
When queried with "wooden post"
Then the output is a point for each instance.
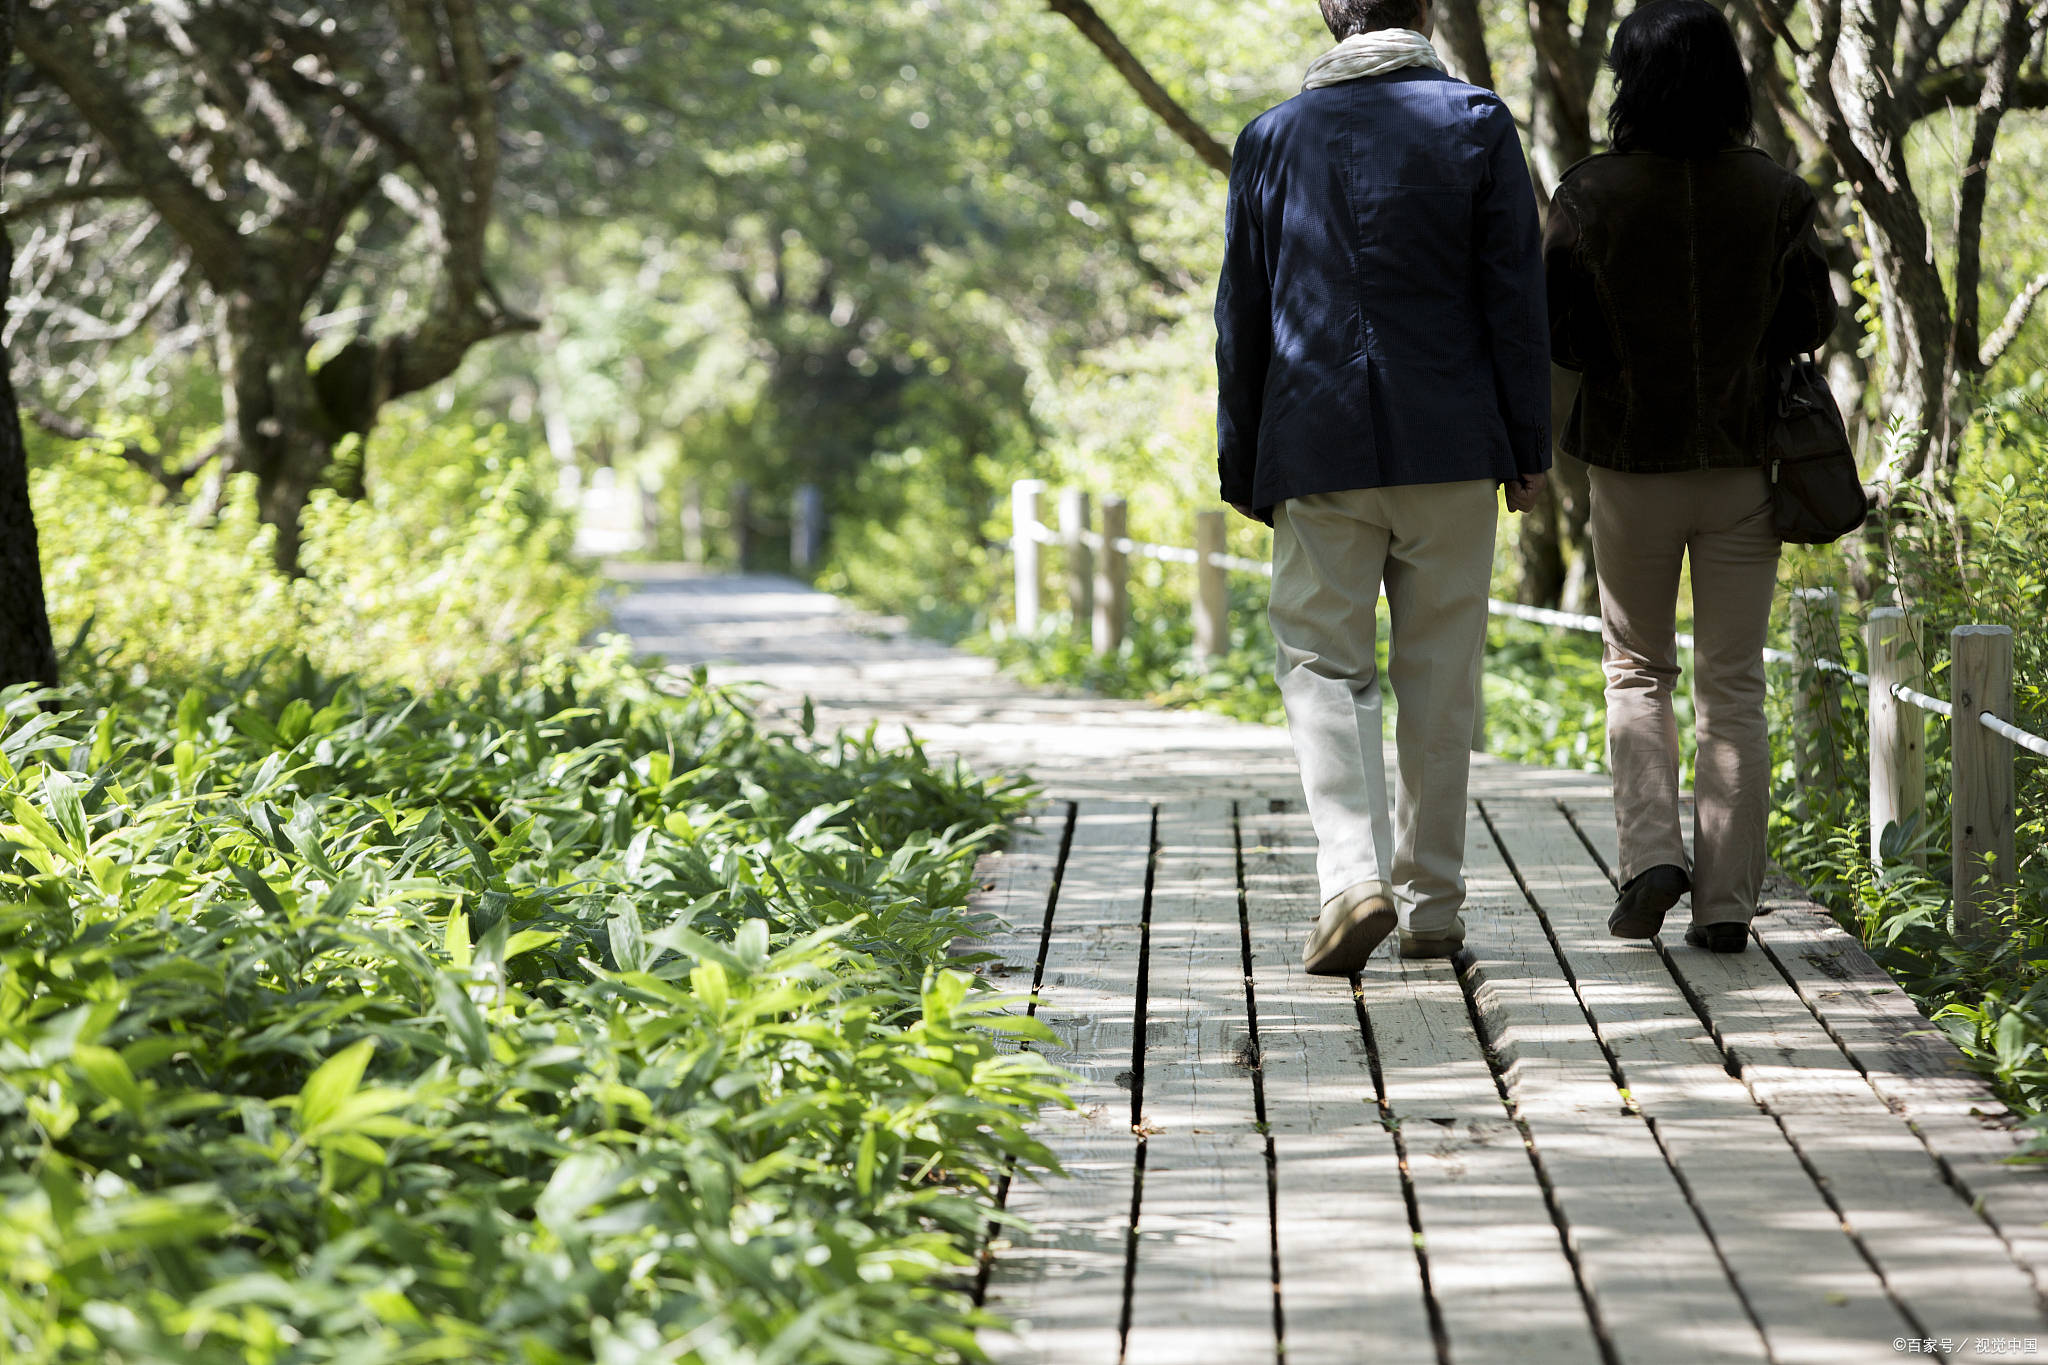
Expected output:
(1212, 587)
(1817, 706)
(741, 520)
(1024, 496)
(1980, 820)
(1112, 579)
(1898, 732)
(650, 511)
(806, 528)
(1080, 559)
(693, 521)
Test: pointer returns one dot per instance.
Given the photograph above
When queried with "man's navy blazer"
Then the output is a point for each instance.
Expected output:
(1380, 318)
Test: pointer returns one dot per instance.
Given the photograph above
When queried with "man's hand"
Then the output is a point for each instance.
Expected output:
(1523, 493)
(1244, 511)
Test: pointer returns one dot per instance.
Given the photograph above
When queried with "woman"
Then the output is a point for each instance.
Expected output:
(1681, 265)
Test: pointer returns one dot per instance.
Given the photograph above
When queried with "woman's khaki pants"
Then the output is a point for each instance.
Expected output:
(1645, 527)
(1432, 547)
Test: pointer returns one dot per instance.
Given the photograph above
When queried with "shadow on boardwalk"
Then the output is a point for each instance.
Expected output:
(1560, 1148)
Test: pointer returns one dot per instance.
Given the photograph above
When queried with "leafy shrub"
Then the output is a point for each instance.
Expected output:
(454, 567)
(1157, 660)
(546, 1020)
(1543, 688)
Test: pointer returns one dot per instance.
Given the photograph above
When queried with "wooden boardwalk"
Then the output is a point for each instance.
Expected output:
(1559, 1148)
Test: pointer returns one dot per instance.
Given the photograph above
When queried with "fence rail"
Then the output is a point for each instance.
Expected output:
(1982, 737)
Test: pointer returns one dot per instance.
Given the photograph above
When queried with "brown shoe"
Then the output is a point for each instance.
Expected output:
(1353, 923)
(1445, 944)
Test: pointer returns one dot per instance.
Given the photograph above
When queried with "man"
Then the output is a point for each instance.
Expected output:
(1383, 367)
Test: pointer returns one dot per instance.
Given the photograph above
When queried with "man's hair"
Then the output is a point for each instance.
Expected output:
(1348, 17)
(1679, 84)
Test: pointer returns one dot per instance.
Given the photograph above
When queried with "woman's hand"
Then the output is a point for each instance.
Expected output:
(1524, 493)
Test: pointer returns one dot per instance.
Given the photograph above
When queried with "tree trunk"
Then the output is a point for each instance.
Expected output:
(1462, 27)
(1555, 549)
(27, 653)
(1541, 553)
(282, 432)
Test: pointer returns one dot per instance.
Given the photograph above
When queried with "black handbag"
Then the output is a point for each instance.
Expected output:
(1816, 495)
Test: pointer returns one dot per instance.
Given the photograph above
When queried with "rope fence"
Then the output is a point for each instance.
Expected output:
(1982, 737)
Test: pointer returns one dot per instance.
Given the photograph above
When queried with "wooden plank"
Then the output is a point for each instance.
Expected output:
(1657, 1280)
(1350, 1281)
(1202, 1287)
(1805, 1281)
(1916, 1071)
(1940, 1259)
(1498, 1271)
(1062, 1282)
(1012, 886)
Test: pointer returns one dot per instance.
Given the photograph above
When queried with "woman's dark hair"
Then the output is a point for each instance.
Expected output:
(1679, 84)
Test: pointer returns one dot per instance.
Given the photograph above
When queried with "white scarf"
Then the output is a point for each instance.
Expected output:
(1371, 54)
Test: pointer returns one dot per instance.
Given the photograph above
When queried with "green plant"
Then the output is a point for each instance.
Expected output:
(454, 567)
(550, 1019)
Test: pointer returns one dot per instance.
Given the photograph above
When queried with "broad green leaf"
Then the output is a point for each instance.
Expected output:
(295, 721)
(192, 713)
(37, 828)
(464, 1019)
(67, 813)
(636, 852)
(580, 1181)
(864, 1161)
(750, 944)
(811, 820)
(529, 940)
(332, 1082)
(629, 944)
(708, 983)
(259, 890)
(108, 1071)
(455, 939)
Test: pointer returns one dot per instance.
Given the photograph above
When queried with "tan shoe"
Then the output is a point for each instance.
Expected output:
(1445, 944)
(1353, 923)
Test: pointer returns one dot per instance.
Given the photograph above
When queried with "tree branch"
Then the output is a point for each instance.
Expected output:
(73, 194)
(171, 479)
(204, 225)
(1097, 31)
(2015, 318)
(1963, 86)
(330, 84)
(2015, 36)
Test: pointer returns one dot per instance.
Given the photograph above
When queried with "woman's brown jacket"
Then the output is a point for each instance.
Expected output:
(1673, 283)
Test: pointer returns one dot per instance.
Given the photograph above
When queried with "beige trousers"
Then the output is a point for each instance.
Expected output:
(1432, 547)
(1645, 526)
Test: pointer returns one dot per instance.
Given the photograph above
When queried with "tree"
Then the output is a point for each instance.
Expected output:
(26, 651)
(277, 143)
(1867, 71)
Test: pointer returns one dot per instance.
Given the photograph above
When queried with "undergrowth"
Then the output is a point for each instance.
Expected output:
(544, 1020)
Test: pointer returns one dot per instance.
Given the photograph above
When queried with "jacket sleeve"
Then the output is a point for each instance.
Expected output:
(1569, 290)
(1510, 279)
(1244, 337)
(1806, 311)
